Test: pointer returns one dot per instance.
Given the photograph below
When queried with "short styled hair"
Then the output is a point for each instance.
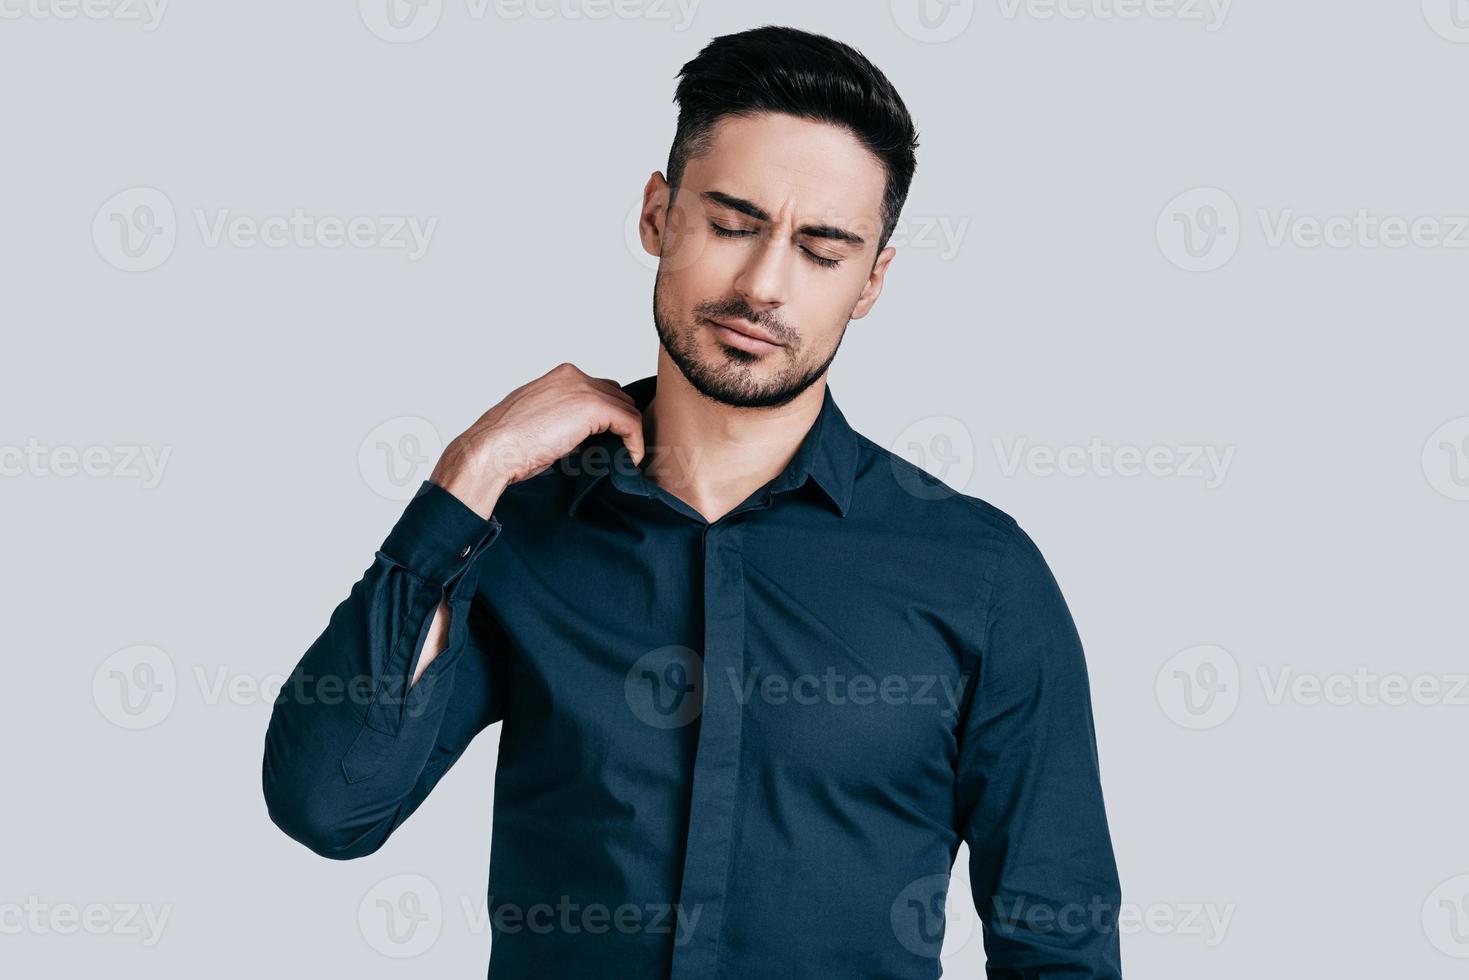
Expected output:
(785, 70)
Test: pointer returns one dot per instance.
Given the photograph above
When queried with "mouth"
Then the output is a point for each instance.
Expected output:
(743, 336)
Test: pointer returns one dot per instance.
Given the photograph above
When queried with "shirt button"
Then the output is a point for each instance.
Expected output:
(464, 552)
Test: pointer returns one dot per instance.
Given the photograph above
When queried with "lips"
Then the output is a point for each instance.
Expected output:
(740, 326)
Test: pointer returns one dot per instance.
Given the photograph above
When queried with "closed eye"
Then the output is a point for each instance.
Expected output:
(820, 260)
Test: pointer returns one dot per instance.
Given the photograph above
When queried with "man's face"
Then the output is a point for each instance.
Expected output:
(774, 231)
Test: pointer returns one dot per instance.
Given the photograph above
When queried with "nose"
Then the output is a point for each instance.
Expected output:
(762, 282)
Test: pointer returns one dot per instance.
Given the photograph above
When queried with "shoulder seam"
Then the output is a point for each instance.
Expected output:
(990, 580)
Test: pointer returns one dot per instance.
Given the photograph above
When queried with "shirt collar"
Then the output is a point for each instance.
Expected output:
(827, 455)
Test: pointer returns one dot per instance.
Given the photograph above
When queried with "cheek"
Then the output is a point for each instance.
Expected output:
(824, 307)
(818, 328)
(687, 284)
(690, 247)
(714, 265)
(822, 344)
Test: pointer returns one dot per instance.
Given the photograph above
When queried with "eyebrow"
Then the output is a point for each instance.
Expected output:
(833, 232)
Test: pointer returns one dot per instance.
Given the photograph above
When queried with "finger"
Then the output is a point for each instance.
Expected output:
(627, 424)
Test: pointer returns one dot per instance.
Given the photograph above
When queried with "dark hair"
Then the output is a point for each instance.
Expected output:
(782, 69)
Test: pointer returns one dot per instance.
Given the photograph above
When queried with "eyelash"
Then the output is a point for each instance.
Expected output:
(723, 232)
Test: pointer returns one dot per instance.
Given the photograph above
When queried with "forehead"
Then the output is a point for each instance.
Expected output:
(792, 168)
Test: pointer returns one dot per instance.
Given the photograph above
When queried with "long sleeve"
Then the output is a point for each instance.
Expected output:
(352, 748)
(1041, 866)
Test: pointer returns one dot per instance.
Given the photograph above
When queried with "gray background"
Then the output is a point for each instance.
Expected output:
(1065, 308)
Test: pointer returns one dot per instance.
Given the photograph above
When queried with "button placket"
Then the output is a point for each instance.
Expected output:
(709, 844)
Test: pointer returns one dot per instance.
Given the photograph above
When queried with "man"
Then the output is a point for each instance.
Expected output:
(757, 676)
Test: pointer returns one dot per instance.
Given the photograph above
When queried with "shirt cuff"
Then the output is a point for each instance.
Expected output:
(438, 536)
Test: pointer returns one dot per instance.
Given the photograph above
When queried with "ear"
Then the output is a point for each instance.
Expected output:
(653, 221)
(872, 288)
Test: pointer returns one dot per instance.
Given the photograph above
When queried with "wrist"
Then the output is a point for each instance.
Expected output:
(476, 482)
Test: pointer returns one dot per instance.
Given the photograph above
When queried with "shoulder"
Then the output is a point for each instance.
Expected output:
(893, 487)
(996, 549)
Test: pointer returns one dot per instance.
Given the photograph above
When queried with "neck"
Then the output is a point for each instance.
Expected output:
(713, 456)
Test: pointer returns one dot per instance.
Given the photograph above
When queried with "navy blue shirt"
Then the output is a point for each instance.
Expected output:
(746, 748)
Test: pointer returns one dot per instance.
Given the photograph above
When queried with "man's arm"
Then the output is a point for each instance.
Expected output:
(410, 667)
(1041, 866)
(352, 748)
